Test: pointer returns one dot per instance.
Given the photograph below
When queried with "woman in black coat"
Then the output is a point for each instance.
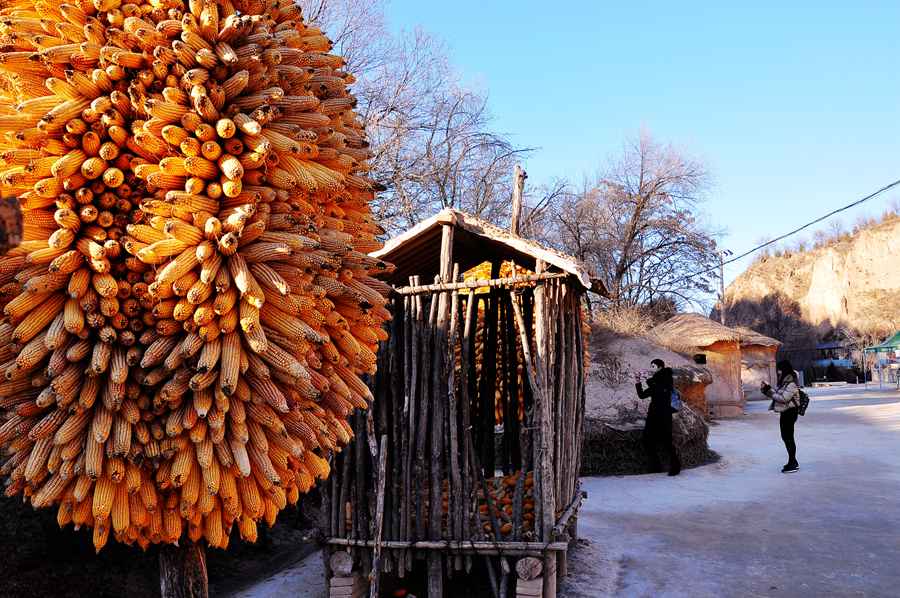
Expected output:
(658, 429)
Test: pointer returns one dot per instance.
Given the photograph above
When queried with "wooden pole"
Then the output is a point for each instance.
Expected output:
(375, 575)
(544, 473)
(455, 496)
(519, 177)
(182, 571)
(406, 429)
(480, 284)
(395, 361)
(438, 394)
(467, 384)
(421, 470)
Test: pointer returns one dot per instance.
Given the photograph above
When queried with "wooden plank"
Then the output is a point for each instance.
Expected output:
(533, 588)
(344, 582)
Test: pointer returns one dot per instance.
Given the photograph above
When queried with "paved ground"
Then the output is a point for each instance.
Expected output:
(741, 528)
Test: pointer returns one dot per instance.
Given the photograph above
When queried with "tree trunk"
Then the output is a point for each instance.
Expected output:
(10, 224)
(182, 571)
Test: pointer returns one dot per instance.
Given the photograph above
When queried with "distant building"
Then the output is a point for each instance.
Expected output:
(758, 359)
(720, 346)
(836, 353)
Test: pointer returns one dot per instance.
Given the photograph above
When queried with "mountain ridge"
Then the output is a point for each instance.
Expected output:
(850, 286)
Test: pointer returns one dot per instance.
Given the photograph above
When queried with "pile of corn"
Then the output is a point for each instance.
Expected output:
(502, 491)
(191, 307)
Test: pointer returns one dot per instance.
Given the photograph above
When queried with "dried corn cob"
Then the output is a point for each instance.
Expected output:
(189, 278)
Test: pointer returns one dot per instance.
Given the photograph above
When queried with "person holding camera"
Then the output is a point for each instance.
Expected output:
(785, 401)
(658, 427)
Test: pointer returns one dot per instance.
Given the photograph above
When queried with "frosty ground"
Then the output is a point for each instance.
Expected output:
(739, 527)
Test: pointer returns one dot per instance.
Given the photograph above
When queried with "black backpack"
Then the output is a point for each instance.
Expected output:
(802, 402)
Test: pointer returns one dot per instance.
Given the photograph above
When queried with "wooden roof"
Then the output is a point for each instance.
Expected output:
(417, 251)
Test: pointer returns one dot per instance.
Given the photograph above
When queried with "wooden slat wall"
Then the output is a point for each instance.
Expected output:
(434, 420)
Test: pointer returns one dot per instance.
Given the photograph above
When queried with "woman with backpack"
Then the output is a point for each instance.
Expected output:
(786, 402)
(658, 427)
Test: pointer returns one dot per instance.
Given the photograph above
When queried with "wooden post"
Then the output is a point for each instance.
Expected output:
(446, 266)
(543, 409)
(438, 395)
(375, 575)
(519, 177)
(467, 385)
(455, 495)
(182, 571)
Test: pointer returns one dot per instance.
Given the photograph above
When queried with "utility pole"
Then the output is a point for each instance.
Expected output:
(723, 253)
(519, 177)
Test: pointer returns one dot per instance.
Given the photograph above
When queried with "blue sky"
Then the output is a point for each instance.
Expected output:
(794, 106)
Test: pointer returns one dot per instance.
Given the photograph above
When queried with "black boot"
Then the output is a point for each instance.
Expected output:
(675, 466)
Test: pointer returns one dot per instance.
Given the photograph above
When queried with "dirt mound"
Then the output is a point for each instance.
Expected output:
(614, 415)
(616, 449)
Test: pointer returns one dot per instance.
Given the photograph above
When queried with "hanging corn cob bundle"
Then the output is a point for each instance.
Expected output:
(483, 272)
(191, 306)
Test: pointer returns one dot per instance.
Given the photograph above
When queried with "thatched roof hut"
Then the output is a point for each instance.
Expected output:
(694, 334)
(758, 357)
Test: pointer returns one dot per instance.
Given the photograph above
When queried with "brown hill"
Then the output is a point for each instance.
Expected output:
(850, 285)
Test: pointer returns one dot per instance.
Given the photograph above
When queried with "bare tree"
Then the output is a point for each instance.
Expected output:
(636, 225)
(448, 158)
(430, 137)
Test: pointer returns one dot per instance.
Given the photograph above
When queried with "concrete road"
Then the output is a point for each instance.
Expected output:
(742, 528)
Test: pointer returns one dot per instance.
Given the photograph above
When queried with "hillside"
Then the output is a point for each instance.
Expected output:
(853, 283)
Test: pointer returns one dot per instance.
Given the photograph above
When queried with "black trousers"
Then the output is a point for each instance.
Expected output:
(658, 433)
(788, 419)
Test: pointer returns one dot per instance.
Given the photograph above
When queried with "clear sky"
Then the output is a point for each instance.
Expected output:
(794, 106)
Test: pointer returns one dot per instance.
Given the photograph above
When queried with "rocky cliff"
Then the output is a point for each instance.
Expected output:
(852, 283)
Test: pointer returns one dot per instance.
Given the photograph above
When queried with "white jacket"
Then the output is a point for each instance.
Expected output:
(785, 396)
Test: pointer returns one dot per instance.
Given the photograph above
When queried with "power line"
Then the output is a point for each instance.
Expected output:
(793, 232)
